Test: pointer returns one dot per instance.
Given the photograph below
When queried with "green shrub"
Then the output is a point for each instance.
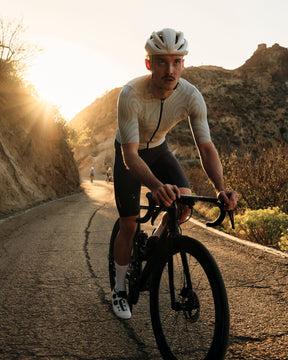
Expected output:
(283, 242)
(209, 212)
(266, 227)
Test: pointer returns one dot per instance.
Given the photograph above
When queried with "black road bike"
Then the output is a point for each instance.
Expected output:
(188, 301)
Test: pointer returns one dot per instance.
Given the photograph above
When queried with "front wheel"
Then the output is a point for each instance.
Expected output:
(188, 304)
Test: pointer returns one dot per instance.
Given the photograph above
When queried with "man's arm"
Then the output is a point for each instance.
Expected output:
(162, 193)
(213, 168)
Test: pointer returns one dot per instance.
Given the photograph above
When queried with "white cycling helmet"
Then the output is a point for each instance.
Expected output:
(167, 41)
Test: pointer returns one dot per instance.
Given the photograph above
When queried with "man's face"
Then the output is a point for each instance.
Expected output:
(166, 70)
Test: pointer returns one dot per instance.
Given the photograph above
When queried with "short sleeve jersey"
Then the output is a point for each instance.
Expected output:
(145, 119)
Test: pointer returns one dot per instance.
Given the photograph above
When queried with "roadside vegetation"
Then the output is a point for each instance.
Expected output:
(259, 175)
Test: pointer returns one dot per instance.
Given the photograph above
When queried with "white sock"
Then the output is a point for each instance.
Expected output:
(121, 271)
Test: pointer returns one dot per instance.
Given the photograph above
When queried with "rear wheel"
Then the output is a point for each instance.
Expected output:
(188, 304)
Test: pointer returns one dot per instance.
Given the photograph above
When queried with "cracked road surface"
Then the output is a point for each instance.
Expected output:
(55, 295)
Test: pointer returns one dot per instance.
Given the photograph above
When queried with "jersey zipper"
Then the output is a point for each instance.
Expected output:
(158, 125)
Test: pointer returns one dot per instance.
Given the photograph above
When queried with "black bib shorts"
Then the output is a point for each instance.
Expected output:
(163, 165)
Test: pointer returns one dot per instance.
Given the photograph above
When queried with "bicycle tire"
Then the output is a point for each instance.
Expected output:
(112, 270)
(187, 334)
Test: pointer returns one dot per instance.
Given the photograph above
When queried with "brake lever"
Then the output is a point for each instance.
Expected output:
(231, 216)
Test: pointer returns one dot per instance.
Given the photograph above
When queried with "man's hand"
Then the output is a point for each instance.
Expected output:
(228, 198)
(166, 194)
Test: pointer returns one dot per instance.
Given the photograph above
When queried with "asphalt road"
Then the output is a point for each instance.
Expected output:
(55, 295)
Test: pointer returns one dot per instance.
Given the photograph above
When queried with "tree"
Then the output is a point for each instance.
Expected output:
(14, 49)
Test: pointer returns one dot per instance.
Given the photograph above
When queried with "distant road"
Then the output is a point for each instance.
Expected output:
(55, 295)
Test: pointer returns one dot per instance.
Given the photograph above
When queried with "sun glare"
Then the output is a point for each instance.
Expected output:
(63, 81)
(73, 79)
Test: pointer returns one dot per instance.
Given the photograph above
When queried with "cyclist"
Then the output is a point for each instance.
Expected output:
(92, 173)
(109, 174)
(148, 107)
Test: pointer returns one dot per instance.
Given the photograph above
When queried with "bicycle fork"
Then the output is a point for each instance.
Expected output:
(187, 300)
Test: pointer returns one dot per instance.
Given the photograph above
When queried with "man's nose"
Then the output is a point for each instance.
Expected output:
(170, 69)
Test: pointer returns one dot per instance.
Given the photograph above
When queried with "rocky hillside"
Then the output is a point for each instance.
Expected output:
(245, 105)
(96, 127)
(36, 163)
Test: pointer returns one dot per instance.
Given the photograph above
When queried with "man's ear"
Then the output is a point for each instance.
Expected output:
(183, 64)
(148, 65)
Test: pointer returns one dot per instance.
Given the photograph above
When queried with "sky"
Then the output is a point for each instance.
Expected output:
(92, 46)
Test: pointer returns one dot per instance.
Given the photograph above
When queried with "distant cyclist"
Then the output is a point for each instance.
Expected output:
(148, 107)
(92, 174)
(109, 174)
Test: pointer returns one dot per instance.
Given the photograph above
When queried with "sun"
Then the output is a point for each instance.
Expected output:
(60, 78)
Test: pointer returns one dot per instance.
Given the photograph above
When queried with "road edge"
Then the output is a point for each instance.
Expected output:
(240, 241)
